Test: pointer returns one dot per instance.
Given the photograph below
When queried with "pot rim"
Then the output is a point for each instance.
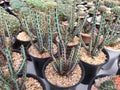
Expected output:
(16, 39)
(107, 55)
(37, 57)
(36, 78)
(82, 76)
(96, 77)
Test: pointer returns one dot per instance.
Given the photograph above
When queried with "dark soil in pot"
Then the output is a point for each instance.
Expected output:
(57, 82)
(92, 65)
(39, 59)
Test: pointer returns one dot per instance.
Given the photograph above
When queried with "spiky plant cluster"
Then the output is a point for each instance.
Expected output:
(108, 16)
(108, 85)
(91, 10)
(42, 31)
(69, 26)
(2, 33)
(9, 33)
(63, 65)
(9, 81)
(112, 32)
(64, 9)
(109, 32)
(41, 4)
(6, 30)
(116, 11)
(102, 9)
(18, 6)
(109, 3)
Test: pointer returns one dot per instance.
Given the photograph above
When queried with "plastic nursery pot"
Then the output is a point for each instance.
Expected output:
(93, 80)
(91, 70)
(36, 78)
(118, 72)
(55, 87)
(19, 42)
(38, 62)
(86, 37)
(114, 55)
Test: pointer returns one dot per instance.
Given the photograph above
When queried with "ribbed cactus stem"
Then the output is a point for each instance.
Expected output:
(9, 58)
(9, 32)
(97, 41)
(92, 40)
(50, 43)
(39, 35)
(24, 59)
(63, 47)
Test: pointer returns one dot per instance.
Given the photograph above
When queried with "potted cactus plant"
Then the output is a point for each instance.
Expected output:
(114, 37)
(38, 49)
(96, 46)
(102, 82)
(16, 58)
(14, 80)
(69, 28)
(59, 70)
(93, 55)
(116, 11)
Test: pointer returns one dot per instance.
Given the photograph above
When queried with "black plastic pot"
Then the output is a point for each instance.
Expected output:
(38, 63)
(36, 78)
(93, 80)
(18, 43)
(91, 70)
(118, 72)
(54, 87)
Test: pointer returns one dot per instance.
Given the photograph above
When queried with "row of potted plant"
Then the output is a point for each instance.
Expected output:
(67, 58)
